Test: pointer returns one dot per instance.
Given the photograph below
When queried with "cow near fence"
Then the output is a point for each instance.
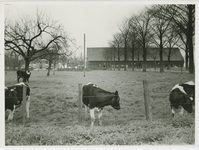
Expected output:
(96, 99)
(182, 96)
(14, 97)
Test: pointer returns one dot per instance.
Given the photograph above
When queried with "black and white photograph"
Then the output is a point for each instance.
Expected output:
(99, 74)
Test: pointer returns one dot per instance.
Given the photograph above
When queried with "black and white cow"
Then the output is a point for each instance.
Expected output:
(183, 96)
(14, 97)
(96, 98)
(23, 74)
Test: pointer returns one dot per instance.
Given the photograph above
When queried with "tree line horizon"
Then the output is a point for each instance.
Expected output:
(165, 26)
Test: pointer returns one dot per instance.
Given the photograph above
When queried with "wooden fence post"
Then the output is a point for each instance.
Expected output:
(24, 105)
(80, 102)
(147, 101)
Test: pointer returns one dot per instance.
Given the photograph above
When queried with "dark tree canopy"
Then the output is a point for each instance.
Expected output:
(163, 26)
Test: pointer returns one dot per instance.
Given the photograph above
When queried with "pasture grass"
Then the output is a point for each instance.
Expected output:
(54, 108)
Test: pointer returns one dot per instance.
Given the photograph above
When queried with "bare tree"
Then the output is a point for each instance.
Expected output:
(51, 55)
(159, 26)
(172, 40)
(125, 33)
(117, 44)
(133, 43)
(143, 32)
(182, 44)
(184, 18)
(29, 37)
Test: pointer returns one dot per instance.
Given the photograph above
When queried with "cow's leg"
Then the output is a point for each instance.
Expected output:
(28, 106)
(181, 110)
(92, 114)
(10, 114)
(99, 116)
(86, 110)
(172, 110)
(13, 111)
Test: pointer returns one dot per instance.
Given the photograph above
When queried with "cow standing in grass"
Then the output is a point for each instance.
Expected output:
(14, 97)
(183, 96)
(23, 74)
(96, 98)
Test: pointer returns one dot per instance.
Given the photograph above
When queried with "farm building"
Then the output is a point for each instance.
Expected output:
(103, 57)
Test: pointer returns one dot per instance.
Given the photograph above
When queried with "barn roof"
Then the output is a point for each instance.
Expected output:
(96, 54)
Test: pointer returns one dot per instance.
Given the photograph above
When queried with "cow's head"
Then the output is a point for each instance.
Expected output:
(189, 103)
(116, 101)
(28, 72)
(192, 98)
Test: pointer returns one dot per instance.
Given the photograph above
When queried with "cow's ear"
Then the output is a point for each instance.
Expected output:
(116, 92)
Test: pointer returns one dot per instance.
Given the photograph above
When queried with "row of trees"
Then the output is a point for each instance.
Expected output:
(163, 26)
(36, 37)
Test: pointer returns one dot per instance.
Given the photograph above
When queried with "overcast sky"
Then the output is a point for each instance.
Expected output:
(98, 20)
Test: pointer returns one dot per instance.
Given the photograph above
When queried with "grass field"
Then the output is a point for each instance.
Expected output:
(54, 108)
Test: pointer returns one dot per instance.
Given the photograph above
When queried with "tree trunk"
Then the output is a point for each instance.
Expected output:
(49, 67)
(54, 69)
(133, 62)
(133, 51)
(118, 54)
(27, 63)
(138, 63)
(125, 56)
(144, 59)
(169, 58)
(144, 65)
(114, 60)
(161, 56)
(186, 57)
(169, 65)
(190, 37)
